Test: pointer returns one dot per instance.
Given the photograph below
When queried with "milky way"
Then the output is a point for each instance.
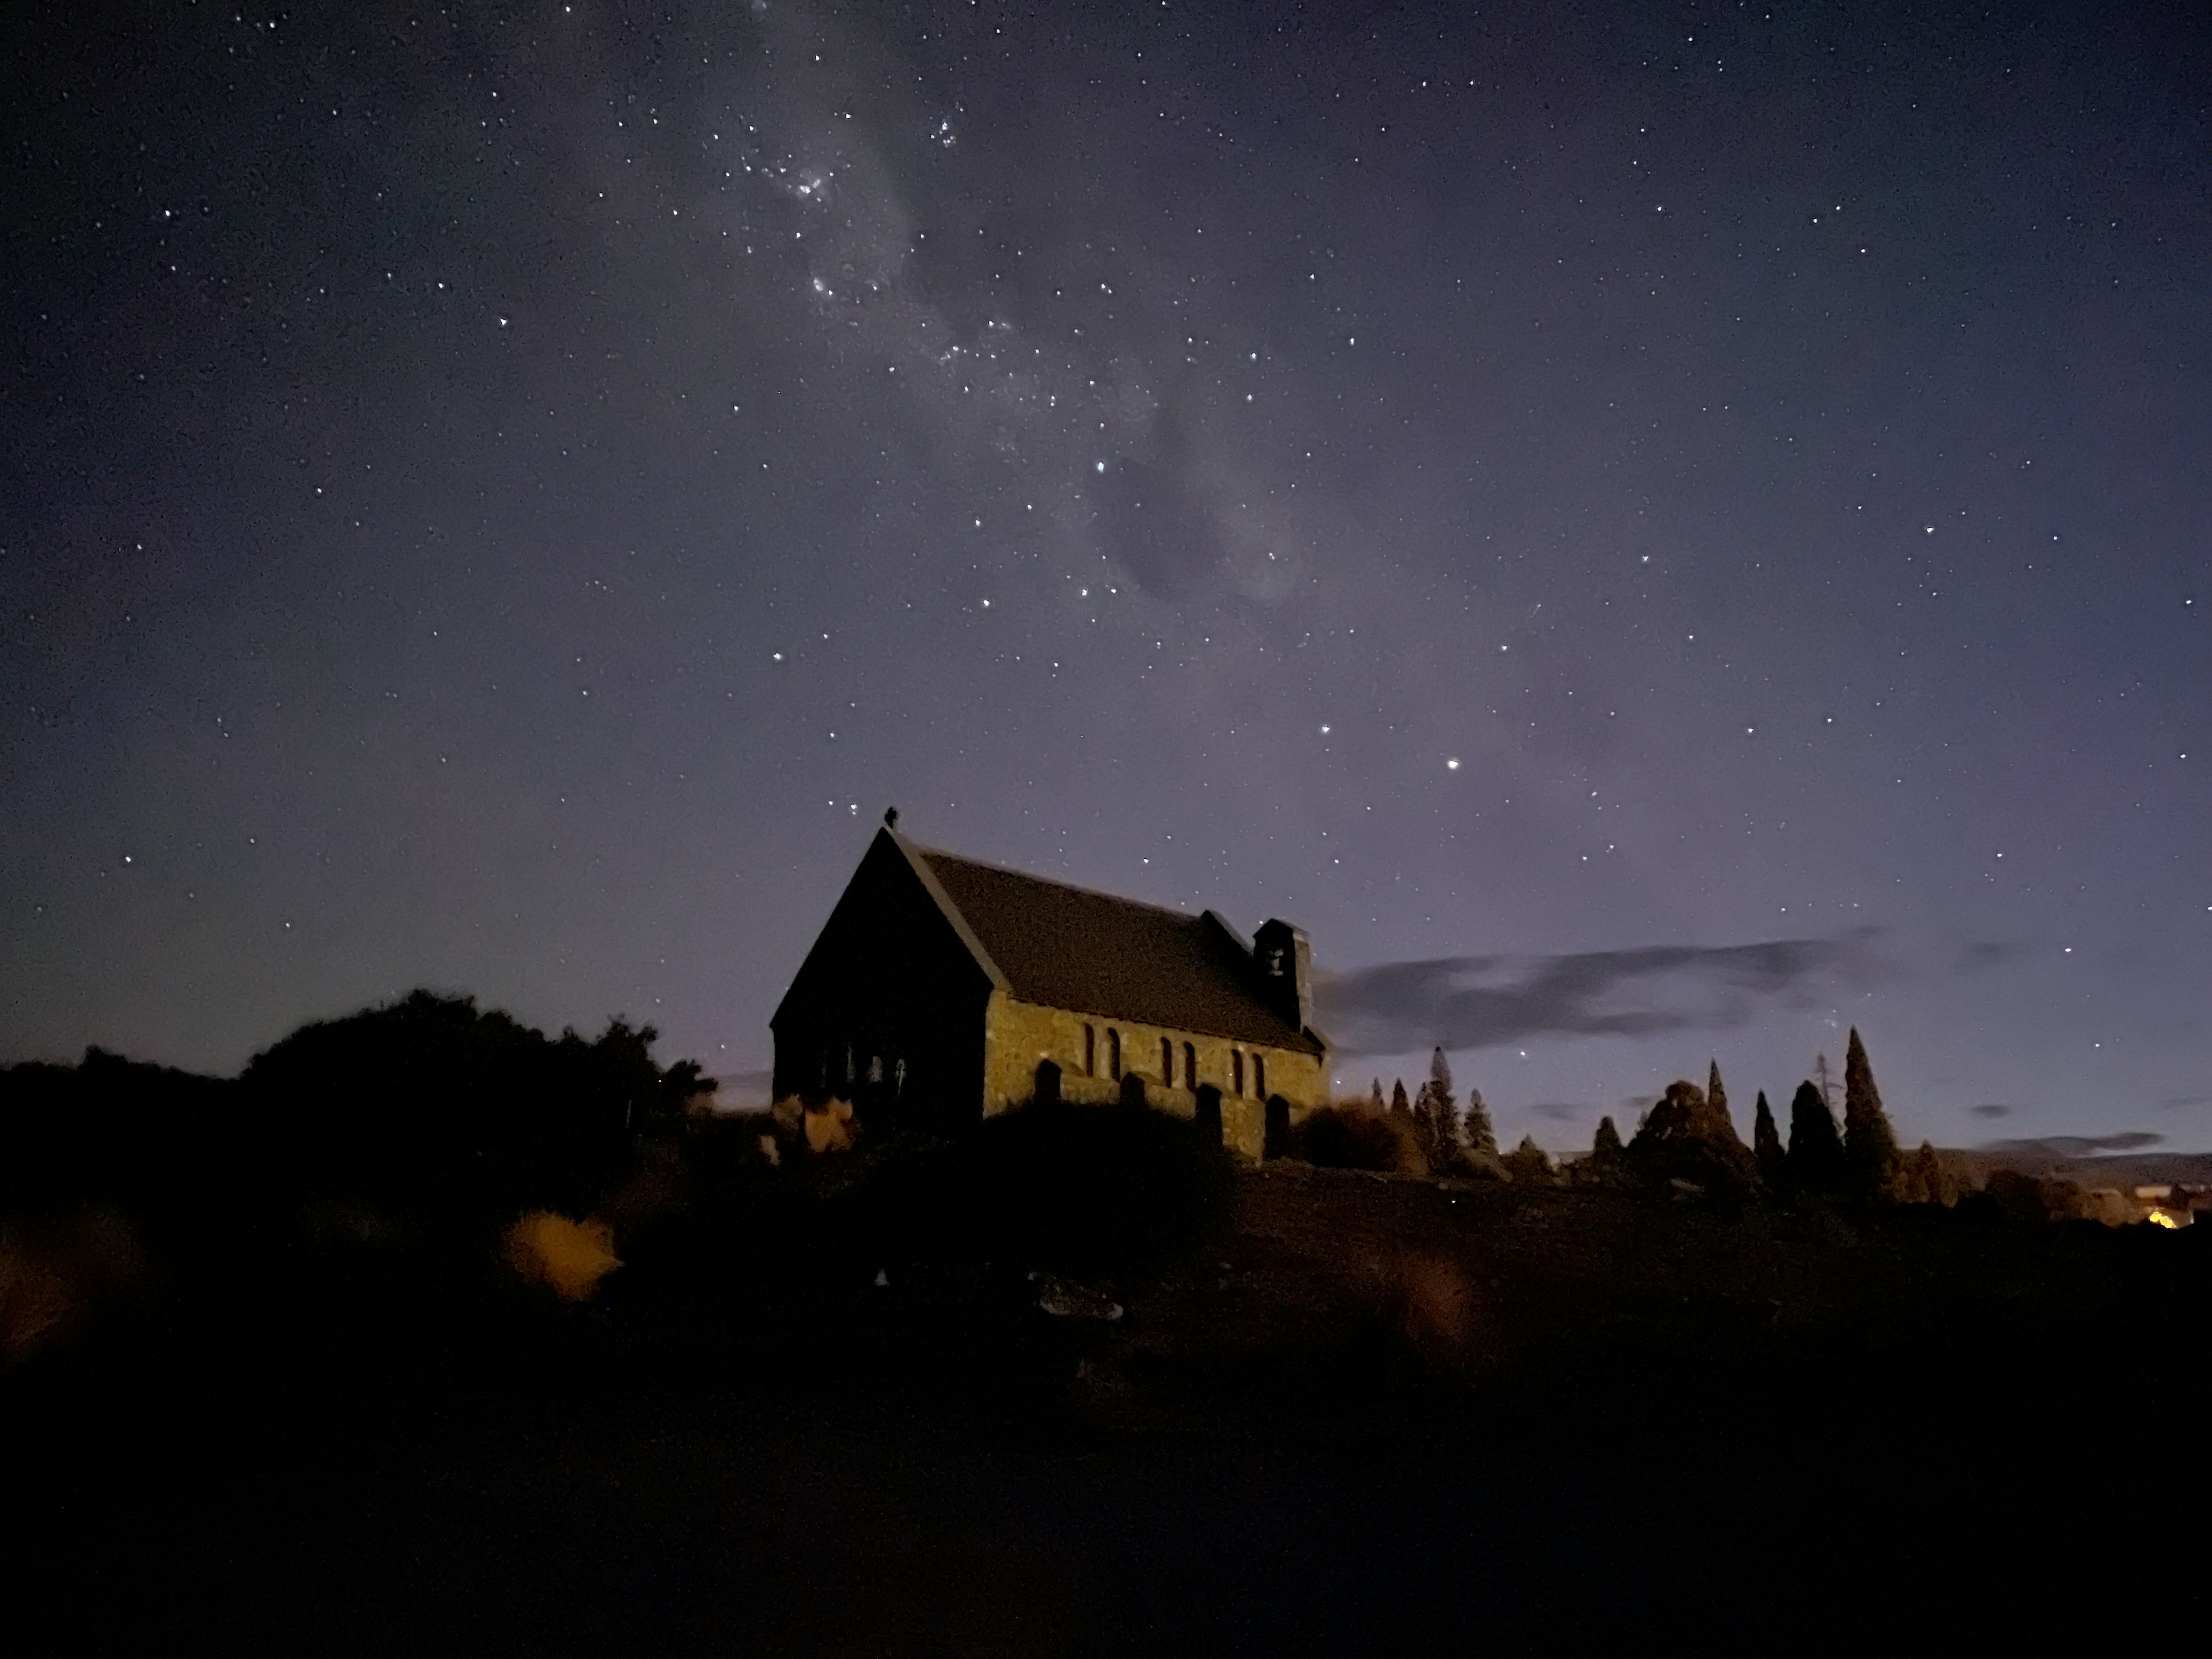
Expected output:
(1652, 537)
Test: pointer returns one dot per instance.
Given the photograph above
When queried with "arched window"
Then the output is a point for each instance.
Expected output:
(1090, 1052)
(1113, 1054)
(1189, 1068)
(1167, 1062)
(1259, 1075)
(1237, 1071)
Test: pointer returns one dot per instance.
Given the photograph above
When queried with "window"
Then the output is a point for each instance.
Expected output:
(1259, 1075)
(1090, 1052)
(1237, 1070)
(1167, 1062)
(1189, 1068)
(1113, 1054)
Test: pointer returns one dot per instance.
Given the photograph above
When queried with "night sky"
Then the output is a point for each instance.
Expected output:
(1653, 531)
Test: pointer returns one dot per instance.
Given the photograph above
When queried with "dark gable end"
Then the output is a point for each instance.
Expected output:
(894, 973)
(1092, 953)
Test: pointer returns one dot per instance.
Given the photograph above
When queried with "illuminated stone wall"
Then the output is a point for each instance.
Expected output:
(1017, 1035)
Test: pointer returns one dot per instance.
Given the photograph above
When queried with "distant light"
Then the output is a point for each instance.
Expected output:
(1451, 766)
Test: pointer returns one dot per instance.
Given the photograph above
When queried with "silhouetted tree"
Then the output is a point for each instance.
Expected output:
(1374, 1098)
(1436, 1113)
(1474, 1126)
(1816, 1152)
(1683, 1138)
(1870, 1152)
(1605, 1149)
(1922, 1181)
(1766, 1145)
(1528, 1165)
(1717, 1097)
(1398, 1101)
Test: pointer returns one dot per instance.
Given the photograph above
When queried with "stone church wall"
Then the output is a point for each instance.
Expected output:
(1017, 1036)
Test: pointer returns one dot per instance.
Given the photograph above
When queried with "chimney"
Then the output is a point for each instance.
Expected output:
(1285, 964)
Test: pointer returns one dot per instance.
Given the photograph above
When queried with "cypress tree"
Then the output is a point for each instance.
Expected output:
(1766, 1144)
(1869, 1143)
(1816, 1153)
(1605, 1149)
(1374, 1097)
(1717, 1098)
(1399, 1103)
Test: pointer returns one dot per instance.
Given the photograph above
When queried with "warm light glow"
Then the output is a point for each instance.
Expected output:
(2160, 1218)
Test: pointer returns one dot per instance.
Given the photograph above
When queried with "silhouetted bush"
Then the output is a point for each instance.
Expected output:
(1083, 1190)
(459, 1118)
(112, 1131)
(1351, 1136)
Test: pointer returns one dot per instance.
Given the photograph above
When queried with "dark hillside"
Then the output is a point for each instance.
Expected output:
(816, 1412)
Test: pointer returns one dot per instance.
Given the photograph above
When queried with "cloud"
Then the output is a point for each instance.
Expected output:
(2127, 1140)
(1561, 1111)
(1480, 1002)
(1990, 1109)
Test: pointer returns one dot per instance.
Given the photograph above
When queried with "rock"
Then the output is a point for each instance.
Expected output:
(1064, 1299)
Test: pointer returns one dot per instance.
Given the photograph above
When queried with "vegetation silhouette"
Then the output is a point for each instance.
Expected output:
(457, 1118)
(1815, 1158)
(1688, 1137)
(1357, 1135)
(1766, 1146)
(1871, 1159)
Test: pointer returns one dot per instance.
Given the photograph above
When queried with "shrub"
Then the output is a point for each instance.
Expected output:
(1351, 1136)
(1084, 1190)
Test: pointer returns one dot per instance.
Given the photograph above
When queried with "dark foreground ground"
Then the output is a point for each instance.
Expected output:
(1369, 1413)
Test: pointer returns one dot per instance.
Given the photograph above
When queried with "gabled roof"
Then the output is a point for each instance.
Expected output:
(1067, 947)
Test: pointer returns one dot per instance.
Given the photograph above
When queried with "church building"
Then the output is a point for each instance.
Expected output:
(943, 991)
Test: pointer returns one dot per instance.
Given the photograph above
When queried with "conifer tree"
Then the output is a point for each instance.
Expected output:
(1528, 1165)
(1436, 1114)
(1374, 1097)
(1399, 1103)
(1605, 1150)
(1869, 1143)
(1717, 1093)
(1816, 1153)
(1766, 1144)
(1481, 1139)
